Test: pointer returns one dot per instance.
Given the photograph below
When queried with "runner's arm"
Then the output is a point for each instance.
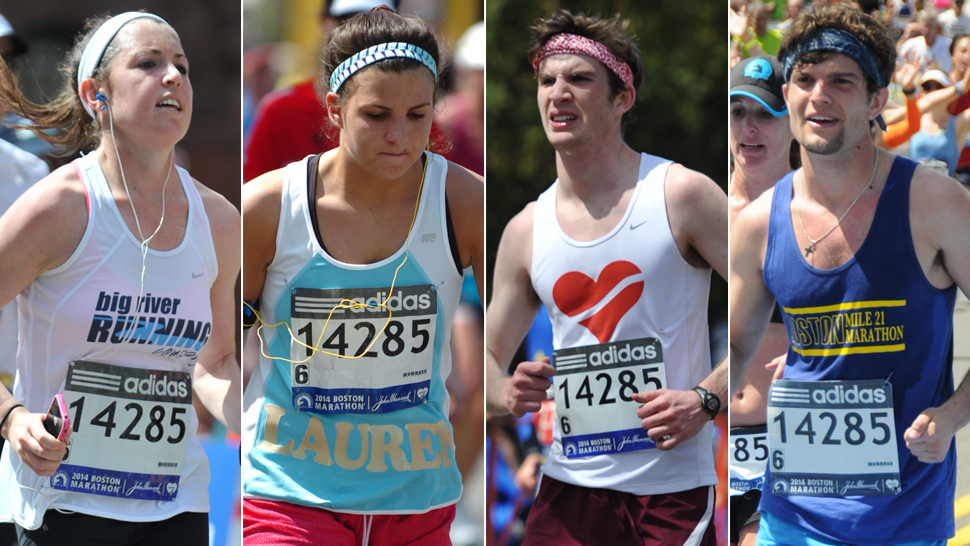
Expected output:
(216, 375)
(944, 212)
(697, 210)
(749, 301)
(507, 320)
(38, 232)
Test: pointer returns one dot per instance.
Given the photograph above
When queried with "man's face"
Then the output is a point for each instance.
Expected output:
(828, 106)
(793, 8)
(574, 100)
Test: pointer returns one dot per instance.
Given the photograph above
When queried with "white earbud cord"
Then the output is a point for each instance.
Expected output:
(144, 256)
(144, 242)
(50, 501)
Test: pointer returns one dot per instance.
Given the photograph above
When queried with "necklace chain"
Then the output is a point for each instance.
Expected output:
(814, 242)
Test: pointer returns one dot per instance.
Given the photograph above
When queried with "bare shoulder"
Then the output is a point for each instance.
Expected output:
(465, 189)
(935, 192)
(519, 228)
(689, 189)
(57, 201)
(262, 198)
(46, 224)
(219, 210)
(752, 220)
(939, 212)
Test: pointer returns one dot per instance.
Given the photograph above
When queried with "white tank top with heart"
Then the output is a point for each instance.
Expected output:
(629, 314)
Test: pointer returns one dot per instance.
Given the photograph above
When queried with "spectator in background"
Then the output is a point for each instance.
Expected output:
(289, 123)
(941, 134)
(20, 170)
(749, 30)
(922, 43)
(463, 119)
(792, 9)
(954, 21)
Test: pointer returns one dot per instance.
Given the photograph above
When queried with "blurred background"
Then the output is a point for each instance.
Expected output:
(210, 35)
(680, 116)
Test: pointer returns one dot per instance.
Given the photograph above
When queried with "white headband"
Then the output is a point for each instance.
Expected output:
(99, 42)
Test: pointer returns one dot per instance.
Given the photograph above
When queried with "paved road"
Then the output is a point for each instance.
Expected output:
(961, 363)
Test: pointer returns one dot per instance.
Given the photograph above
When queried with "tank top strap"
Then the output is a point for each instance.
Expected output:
(892, 213)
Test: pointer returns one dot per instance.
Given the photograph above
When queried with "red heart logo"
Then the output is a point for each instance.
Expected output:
(575, 292)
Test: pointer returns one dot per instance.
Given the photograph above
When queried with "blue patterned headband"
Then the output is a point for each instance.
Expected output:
(836, 41)
(377, 53)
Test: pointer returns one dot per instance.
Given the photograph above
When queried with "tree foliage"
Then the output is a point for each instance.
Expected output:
(680, 109)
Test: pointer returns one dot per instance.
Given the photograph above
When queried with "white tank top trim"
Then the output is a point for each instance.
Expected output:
(65, 316)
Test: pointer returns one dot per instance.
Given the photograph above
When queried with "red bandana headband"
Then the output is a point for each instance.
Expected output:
(573, 44)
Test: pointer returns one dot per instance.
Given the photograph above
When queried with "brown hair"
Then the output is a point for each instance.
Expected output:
(73, 128)
(379, 26)
(609, 32)
(868, 30)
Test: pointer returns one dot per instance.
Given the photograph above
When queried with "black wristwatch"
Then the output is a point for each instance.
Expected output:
(709, 401)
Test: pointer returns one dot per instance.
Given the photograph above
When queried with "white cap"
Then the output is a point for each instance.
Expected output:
(937, 76)
(6, 31)
(470, 51)
(339, 8)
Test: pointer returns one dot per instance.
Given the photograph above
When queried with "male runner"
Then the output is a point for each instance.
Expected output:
(863, 252)
(619, 249)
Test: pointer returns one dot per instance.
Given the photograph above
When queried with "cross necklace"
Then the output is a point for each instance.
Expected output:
(813, 243)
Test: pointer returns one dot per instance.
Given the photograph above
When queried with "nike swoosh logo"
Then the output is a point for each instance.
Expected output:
(196, 275)
(635, 226)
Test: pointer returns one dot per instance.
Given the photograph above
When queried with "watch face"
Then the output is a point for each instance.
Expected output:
(712, 404)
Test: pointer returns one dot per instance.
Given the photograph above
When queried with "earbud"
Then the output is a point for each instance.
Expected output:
(101, 98)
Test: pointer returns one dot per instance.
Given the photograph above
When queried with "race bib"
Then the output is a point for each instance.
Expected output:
(129, 427)
(748, 452)
(594, 395)
(832, 438)
(392, 375)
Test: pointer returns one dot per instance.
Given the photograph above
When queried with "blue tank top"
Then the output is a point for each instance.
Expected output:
(912, 345)
(943, 146)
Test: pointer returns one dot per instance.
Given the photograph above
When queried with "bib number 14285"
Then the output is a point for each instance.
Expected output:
(595, 385)
(832, 438)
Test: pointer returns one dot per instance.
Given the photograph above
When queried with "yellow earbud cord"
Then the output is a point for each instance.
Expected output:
(346, 303)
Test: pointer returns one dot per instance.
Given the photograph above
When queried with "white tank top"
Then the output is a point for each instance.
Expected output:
(327, 405)
(627, 296)
(133, 448)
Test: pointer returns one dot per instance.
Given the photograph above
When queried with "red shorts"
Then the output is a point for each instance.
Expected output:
(572, 515)
(282, 523)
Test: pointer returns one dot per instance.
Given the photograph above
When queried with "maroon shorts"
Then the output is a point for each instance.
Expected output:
(268, 522)
(571, 515)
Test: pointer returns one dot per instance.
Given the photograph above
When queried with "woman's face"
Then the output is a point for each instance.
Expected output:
(386, 121)
(759, 141)
(148, 88)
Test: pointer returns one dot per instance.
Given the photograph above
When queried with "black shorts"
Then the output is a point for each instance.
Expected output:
(185, 529)
(744, 510)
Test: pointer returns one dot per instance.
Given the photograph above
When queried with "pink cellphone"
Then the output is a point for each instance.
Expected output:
(57, 422)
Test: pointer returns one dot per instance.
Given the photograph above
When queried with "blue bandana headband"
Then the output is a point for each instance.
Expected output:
(836, 41)
(377, 53)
